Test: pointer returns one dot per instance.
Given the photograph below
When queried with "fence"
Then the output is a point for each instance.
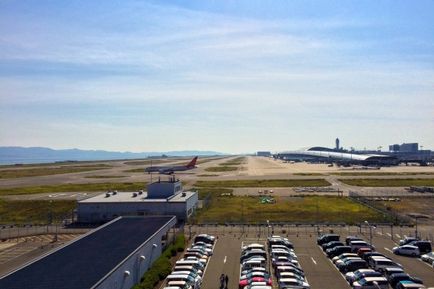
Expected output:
(12, 231)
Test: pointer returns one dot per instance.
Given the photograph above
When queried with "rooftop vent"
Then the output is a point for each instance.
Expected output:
(107, 195)
(134, 195)
(115, 192)
(183, 194)
(140, 192)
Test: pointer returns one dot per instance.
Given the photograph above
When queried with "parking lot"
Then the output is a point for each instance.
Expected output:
(319, 270)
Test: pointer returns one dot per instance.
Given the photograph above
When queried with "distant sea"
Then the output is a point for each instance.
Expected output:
(16, 161)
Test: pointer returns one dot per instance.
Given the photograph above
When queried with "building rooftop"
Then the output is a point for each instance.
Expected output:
(135, 197)
(87, 260)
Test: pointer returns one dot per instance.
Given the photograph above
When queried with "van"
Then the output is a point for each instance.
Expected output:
(424, 246)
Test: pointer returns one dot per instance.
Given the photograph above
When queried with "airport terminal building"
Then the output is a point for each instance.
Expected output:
(161, 198)
(115, 255)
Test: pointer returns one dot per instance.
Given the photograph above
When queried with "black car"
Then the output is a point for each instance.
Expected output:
(424, 246)
(336, 251)
(353, 265)
(352, 238)
(327, 238)
(331, 244)
(395, 278)
(368, 255)
(279, 241)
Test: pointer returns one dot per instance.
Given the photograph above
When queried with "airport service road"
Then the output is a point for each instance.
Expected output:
(413, 266)
(320, 271)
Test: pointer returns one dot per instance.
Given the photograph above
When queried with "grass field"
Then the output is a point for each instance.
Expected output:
(296, 209)
(215, 192)
(221, 169)
(138, 170)
(263, 183)
(45, 171)
(381, 173)
(388, 182)
(72, 188)
(36, 212)
(104, 177)
(407, 205)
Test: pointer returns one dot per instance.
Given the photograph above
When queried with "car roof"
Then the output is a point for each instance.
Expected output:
(375, 278)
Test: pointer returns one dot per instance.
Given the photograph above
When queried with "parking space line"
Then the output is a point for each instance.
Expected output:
(379, 233)
(224, 260)
(313, 260)
(388, 234)
(397, 235)
(387, 249)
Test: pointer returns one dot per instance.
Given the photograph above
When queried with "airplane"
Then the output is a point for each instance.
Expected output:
(168, 170)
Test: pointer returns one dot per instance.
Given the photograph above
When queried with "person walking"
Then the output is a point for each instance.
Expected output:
(222, 281)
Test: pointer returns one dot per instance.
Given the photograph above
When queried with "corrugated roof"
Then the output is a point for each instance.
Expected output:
(81, 264)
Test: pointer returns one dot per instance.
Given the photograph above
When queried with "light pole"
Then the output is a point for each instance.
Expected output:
(370, 232)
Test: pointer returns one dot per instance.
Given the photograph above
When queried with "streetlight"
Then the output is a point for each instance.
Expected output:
(370, 232)
(416, 217)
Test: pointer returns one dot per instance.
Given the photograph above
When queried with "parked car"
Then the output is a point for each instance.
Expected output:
(249, 281)
(292, 275)
(407, 250)
(361, 273)
(362, 251)
(252, 274)
(331, 244)
(277, 240)
(424, 246)
(254, 246)
(336, 251)
(409, 285)
(187, 268)
(428, 257)
(381, 264)
(356, 245)
(292, 283)
(353, 265)
(327, 238)
(346, 259)
(292, 269)
(342, 256)
(387, 272)
(371, 283)
(254, 269)
(205, 238)
(407, 240)
(398, 277)
(368, 255)
(352, 238)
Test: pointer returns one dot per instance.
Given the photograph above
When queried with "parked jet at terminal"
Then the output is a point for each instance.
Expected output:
(168, 170)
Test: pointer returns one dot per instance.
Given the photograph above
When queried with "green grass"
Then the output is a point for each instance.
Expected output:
(221, 169)
(381, 173)
(35, 211)
(263, 183)
(215, 192)
(235, 162)
(45, 171)
(72, 188)
(306, 209)
(388, 182)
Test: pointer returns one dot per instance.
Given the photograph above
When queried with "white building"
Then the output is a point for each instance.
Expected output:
(162, 198)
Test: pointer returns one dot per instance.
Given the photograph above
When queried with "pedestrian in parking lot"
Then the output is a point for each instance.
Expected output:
(222, 281)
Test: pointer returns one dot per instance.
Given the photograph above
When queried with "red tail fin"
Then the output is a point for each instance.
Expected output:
(192, 163)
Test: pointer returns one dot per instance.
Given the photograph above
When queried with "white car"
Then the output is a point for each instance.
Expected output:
(407, 250)
(429, 257)
(253, 246)
(371, 283)
(350, 276)
(293, 282)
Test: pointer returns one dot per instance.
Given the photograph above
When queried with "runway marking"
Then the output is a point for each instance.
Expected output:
(313, 260)
(388, 234)
(224, 260)
(387, 249)
(397, 235)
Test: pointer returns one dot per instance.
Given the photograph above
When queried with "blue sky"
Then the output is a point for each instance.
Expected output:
(231, 76)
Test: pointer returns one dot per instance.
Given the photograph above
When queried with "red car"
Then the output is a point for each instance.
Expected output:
(246, 282)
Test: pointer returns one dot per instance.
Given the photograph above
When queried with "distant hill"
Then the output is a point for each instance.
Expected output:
(26, 155)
